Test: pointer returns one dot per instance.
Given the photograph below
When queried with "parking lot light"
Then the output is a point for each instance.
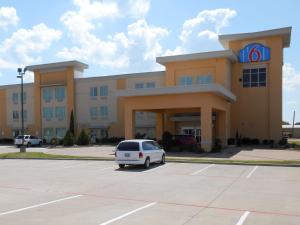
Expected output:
(21, 75)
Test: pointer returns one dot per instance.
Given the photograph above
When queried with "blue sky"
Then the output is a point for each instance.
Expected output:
(121, 36)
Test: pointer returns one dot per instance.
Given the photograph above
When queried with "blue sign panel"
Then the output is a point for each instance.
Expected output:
(254, 53)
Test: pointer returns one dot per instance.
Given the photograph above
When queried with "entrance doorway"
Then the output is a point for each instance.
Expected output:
(194, 131)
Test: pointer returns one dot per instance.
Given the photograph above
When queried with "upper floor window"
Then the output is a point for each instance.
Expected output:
(60, 94)
(93, 112)
(25, 114)
(94, 92)
(255, 77)
(150, 84)
(103, 91)
(16, 115)
(103, 111)
(206, 79)
(47, 113)
(47, 94)
(15, 98)
(60, 113)
(139, 86)
(186, 80)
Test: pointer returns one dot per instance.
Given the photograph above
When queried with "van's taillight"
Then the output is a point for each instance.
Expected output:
(141, 155)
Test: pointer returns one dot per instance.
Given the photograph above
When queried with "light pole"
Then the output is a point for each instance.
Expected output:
(21, 75)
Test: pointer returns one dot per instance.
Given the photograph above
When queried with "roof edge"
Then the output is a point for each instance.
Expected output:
(75, 63)
(284, 31)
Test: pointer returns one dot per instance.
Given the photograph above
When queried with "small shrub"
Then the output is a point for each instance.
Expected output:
(265, 142)
(255, 141)
(167, 140)
(231, 141)
(140, 136)
(246, 141)
(217, 145)
(283, 141)
(54, 141)
(6, 141)
(68, 139)
(83, 138)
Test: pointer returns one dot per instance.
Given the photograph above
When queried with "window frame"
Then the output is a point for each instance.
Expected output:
(259, 74)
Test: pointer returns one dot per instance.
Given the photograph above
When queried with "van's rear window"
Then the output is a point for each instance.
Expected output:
(128, 146)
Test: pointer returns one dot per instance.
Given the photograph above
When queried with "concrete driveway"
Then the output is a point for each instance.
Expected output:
(35, 192)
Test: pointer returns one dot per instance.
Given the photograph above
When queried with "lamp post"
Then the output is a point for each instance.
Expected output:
(21, 75)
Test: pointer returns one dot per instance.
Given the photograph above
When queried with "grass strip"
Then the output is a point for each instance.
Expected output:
(41, 155)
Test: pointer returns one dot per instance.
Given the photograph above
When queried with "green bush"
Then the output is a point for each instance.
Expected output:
(83, 138)
(68, 139)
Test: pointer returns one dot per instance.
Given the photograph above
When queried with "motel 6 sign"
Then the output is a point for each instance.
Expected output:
(254, 53)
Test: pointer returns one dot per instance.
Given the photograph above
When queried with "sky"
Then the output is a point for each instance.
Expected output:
(124, 36)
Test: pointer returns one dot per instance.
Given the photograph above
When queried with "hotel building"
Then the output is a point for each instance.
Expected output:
(209, 95)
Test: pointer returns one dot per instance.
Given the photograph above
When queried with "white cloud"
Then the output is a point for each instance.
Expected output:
(8, 16)
(198, 32)
(120, 50)
(24, 45)
(139, 8)
(291, 78)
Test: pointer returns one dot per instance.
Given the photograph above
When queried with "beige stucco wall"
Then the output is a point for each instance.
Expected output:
(257, 113)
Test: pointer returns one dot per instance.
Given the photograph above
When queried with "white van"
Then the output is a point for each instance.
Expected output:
(139, 152)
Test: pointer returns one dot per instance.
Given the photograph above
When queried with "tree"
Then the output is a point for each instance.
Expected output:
(72, 126)
(285, 123)
(68, 139)
(83, 138)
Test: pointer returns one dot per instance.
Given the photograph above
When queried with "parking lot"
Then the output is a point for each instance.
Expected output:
(99, 193)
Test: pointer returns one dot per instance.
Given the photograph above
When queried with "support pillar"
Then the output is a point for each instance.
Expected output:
(206, 128)
(129, 123)
(222, 127)
(159, 125)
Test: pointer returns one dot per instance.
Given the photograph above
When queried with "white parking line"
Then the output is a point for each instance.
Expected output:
(39, 205)
(205, 168)
(251, 172)
(157, 168)
(243, 218)
(129, 213)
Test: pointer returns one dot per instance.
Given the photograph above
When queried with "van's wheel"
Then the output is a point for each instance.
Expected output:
(28, 144)
(122, 166)
(163, 159)
(147, 163)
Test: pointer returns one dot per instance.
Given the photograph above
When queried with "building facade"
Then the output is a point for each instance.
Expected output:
(210, 95)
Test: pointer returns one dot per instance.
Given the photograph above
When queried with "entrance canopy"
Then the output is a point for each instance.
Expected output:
(162, 100)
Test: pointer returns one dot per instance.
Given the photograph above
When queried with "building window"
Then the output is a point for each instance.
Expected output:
(47, 94)
(139, 86)
(60, 94)
(103, 91)
(15, 98)
(93, 112)
(150, 85)
(93, 92)
(255, 77)
(206, 79)
(60, 133)
(186, 80)
(60, 113)
(48, 134)
(47, 113)
(16, 115)
(24, 114)
(103, 111)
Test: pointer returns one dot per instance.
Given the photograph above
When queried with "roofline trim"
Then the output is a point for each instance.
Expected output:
(228, 53)
(284, 31)
(57, 65)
